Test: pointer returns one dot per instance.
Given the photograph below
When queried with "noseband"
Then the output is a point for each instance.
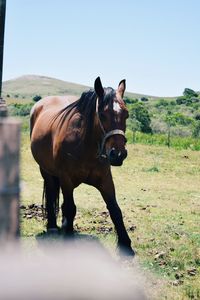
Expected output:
(106, 135)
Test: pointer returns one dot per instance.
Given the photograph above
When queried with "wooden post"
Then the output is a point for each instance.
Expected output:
(9, 178)
(3, 108)
(2, 29)
(9, 158)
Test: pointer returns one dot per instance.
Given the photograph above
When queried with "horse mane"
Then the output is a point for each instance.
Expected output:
(86, 106)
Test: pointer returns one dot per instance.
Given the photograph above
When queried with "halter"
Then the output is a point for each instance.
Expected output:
(106, 135)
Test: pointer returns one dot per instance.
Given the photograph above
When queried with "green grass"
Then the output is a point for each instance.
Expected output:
(158, 192)
(177, 142)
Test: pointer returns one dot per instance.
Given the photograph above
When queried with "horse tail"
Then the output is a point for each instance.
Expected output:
(56, 202)
(44, 201)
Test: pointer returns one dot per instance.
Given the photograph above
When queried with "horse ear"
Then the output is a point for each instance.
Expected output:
(98, 87)
(122, 87)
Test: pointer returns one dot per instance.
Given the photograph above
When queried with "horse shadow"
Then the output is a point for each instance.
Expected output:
(76, 239)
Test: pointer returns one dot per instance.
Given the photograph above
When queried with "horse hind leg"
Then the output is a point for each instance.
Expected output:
(51, 194)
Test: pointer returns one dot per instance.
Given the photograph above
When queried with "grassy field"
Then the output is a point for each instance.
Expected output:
(158, 191)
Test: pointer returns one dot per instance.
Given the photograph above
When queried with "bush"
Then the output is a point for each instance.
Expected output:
(22, 110)
(195, 106)
(181, 100)
(36, 98)
(162, 102)
(188, 93)
(182, 119)
(197, 116)
(139, 113)
(158, 126)
(130, 100)
(196, 129)
(194, 99)
(144, 99)
(189, 101)
(172, 103)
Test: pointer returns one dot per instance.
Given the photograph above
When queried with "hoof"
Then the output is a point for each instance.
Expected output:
(54, 230)
(65, 228)
(67, 232)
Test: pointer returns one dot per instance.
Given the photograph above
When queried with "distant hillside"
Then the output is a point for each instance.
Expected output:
(28, 86)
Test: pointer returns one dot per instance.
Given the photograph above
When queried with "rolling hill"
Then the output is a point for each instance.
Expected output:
(28, 86)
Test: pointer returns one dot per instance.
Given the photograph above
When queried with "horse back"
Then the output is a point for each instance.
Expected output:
(43, 129)
(52, 104)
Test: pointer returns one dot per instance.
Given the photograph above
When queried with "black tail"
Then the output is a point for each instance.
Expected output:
(56, 202)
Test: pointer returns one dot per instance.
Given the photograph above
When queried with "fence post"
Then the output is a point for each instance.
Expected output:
(9, 178)
(9, 158)
(3, 108)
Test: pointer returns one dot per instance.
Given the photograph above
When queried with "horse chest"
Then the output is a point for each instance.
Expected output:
(80, 172)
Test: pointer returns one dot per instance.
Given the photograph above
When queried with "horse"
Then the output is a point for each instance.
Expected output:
(77, 141)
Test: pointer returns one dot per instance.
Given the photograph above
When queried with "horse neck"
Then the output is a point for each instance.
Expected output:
(93, 136)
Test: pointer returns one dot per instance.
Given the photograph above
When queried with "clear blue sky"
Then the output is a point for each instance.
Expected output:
(154, 44)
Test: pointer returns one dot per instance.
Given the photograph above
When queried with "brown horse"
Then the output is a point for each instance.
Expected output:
(76, 141)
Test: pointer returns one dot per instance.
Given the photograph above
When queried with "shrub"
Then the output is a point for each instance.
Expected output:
(172, 102)
(36, 98)
(196, 106)
(128, 100)
(17, 109)
(197, 116)
(196, 129)
(144, 99)
(194, 99)
(158, 126)
(188, 93)
(139, 113)
(161, 102)
(182, 119)
(181, 100)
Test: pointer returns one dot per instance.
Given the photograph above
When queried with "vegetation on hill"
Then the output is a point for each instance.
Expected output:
(163, 121)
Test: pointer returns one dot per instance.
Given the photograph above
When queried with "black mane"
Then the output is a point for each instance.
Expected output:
(87, 102)
(86, 105)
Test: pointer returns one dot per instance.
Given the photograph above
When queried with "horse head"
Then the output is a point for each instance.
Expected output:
(111, 117)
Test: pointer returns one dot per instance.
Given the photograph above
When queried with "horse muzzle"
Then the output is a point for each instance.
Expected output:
(116, 157)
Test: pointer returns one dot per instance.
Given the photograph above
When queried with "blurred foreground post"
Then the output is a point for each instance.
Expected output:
(9, 158)
(2, 29)
(3, 108)
(9, 178)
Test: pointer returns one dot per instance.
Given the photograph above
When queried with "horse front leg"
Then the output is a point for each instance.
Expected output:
(107, 191)
(68, 209)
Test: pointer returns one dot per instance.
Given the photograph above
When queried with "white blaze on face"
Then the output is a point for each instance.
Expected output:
(116, 107)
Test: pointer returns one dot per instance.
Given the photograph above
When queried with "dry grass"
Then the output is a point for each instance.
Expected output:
(158, 190)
